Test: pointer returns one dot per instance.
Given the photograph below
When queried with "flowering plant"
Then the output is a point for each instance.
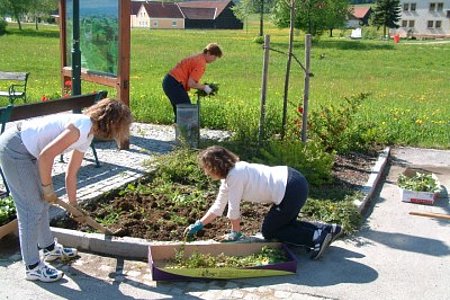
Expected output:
(67, 90)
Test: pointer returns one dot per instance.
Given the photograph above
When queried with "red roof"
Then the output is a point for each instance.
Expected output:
(162, 9)
(218, 5)
(360, 12)
(196, 13)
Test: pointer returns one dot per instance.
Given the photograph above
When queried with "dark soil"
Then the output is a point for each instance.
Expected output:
(156, 217)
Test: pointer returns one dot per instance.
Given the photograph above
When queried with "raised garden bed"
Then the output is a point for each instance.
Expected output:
(261, 261)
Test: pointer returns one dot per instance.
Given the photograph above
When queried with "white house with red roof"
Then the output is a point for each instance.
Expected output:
(184, 15)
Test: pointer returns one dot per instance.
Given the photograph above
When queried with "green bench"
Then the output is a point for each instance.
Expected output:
(18, 87)
(13, 113)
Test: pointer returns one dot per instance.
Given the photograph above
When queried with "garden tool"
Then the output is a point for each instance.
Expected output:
(82, 217)
(429, 214)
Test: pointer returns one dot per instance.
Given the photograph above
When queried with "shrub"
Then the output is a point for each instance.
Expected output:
(309, 158)
(258, 40)
(332, 125)
(3, 25)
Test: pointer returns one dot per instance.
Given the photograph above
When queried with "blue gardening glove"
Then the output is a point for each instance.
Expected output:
(233, 236)
(192, 229)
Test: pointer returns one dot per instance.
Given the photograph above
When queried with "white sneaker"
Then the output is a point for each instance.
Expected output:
(44, 273)
(59, 252)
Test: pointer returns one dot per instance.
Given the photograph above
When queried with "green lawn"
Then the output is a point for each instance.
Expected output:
(408, 83)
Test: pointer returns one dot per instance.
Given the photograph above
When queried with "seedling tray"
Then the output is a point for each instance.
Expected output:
(159, 255)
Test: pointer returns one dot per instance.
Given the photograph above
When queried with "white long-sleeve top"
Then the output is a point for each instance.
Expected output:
(38, 132)
(250, 182)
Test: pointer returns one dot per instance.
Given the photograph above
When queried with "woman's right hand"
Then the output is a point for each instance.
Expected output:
(192, 229)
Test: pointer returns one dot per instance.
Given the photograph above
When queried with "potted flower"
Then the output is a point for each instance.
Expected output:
(8, 220)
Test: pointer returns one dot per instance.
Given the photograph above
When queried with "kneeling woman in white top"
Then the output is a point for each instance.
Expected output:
(27, 153)
(283, 187)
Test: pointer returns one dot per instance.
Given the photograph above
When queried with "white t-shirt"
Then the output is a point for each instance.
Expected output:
(38, 132)
(250, 182)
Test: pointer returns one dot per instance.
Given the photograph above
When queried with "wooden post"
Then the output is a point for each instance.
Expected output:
(266, 48)
(288, 69)
(306, 90)
(123, 74)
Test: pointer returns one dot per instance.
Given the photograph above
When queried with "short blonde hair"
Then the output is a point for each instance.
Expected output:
(213, 49)
(111, 120)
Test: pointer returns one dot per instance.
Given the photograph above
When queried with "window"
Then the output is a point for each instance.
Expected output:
(406, 6)
(432, 6)
(440, 6)
(404, 23)
(413, 7)
(412, 23)
(174, 23)
(155, 23)
(438, 24)
(430, 24)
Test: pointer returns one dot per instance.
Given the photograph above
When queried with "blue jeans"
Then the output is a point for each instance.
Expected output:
(21, 172)
(281, 222)
(175, 92)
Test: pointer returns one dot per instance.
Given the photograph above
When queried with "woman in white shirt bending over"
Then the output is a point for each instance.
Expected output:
(27, 152)
(283, 187)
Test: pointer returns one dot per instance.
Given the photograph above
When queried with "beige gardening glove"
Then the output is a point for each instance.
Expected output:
(49, 193)
(207, 89)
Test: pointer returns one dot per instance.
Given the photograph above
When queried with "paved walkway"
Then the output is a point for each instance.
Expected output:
(394, 256)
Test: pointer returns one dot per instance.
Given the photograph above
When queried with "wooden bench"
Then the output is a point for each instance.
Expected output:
(18, 87)
(12, 113)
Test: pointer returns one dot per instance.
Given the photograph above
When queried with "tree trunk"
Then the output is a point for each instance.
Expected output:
(18, 21)
(261, 20)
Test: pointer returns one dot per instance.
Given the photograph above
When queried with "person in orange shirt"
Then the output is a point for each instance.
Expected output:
(187, 74)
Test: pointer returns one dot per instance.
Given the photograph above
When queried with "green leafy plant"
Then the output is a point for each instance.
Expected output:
(267, 255)
(420, 182)
(332, 125)
(7, 210)
(309, 158)
(214, 86)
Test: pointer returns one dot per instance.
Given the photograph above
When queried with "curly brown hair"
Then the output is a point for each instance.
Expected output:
(111, 119)
(218, 160)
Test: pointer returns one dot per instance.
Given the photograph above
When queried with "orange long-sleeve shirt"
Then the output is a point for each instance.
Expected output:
(193, 66)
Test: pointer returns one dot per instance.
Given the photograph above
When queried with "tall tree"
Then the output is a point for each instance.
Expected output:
(336, 15)
(15, 9)
(42, 8)
(243, 9)
(387, 14)
(313, 16)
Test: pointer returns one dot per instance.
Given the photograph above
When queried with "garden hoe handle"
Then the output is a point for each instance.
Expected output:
(431, 215)
(82, 217)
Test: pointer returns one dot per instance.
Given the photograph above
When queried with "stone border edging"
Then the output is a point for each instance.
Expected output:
(138, 248)
(373, 181)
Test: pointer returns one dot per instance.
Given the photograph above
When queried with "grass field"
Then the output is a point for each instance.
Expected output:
(408, 84)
